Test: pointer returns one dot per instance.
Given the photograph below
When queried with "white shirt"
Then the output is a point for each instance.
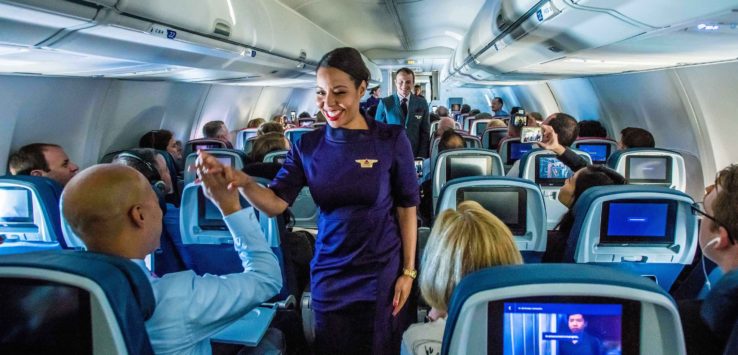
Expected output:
(191, 308)
(423, 338)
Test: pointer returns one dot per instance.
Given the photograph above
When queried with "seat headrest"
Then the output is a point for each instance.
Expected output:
(469, 311)
(124, 283)
(589, 210)
(48, 193)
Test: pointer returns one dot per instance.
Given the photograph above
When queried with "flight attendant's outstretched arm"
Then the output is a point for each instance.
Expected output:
(260, 197)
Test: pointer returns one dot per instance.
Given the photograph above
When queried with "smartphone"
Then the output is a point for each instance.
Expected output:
(434, 108)
(293, 116)
(419, 167)
(519, 120)
(531, 134)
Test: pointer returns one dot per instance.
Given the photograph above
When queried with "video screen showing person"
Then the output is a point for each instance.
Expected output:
(456, 107)
(598, 152)
(507, 203)
(647, 169)
(515, 150)
(638, 221)
(550, 171)
(16, 205)
(562, 329)
(463, 166)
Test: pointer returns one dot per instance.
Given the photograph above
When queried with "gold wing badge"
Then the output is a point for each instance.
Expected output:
(367, 163)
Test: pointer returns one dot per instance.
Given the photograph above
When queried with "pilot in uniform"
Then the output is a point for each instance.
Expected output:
(357, 178)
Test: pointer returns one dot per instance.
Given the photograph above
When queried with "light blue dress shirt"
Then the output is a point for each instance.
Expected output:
(191, 308)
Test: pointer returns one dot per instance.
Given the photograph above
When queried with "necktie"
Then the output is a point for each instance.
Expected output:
(403, 105)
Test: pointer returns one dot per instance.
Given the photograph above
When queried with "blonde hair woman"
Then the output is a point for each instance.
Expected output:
(461, 242)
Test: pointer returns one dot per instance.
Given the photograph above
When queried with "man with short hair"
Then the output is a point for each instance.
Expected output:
(560, 130)
(497, 105)
(409, 111)
(445, 124)
(442, 111)
(43, 159)
(634, 137)
(217, 130)
(707, 325)
(115, 211)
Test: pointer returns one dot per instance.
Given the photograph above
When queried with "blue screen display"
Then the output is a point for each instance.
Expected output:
(638, 219)
(517, 150)
(553, 168)
(598, 152)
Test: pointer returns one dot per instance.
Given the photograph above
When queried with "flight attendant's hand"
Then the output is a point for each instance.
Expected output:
(403, 286)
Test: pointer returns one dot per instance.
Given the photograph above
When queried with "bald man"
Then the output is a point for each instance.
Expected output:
(444, 124)
(115, 211)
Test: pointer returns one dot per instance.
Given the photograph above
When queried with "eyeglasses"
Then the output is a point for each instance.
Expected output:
(698, 208)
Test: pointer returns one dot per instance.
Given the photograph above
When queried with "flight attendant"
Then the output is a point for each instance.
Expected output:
(361, 174)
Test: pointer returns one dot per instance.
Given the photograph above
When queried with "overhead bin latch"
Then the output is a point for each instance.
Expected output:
(222, 28)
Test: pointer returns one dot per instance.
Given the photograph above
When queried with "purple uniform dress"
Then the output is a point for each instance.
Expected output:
(357, 178)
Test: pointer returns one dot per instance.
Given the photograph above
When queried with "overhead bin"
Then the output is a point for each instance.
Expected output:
(509, 39)
(211, 41)
(264, 24)
(22, 25)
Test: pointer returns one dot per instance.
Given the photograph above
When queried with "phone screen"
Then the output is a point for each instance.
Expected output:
(293, 115)
(531, 135)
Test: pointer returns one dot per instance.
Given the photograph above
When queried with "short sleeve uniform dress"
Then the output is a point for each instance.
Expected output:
(357, 178)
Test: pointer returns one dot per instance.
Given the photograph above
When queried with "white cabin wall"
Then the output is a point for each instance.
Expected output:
(51, 110)
(535, 98)
(91, 117)
(133, 108)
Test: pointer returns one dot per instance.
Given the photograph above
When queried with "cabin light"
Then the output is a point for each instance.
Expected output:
(602, 62)
(705, 27)
(411, 61)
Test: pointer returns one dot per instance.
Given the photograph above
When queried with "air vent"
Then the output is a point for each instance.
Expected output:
(222, 29)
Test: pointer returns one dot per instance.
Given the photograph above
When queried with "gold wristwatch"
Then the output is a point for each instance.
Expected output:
(411, 273)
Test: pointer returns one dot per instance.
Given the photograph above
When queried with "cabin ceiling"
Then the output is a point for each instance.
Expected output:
(390, 32)
(470, 43)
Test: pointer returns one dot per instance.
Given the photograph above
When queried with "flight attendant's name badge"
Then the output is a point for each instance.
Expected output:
(367, 163)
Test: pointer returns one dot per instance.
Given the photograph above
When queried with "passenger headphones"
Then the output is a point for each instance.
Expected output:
(712, 242)
(156, 182)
